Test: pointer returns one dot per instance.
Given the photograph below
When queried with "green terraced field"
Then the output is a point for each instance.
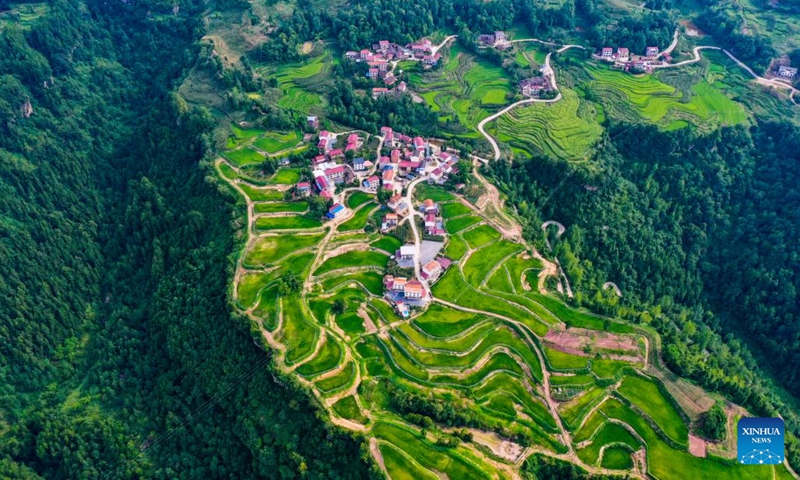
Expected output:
(286, 176)
(287, 223)
(244, 156)
(566, 129)
(261, 194)
(273, 142)
(281, 207)
(478, 352)
(269, 249)
(295, 81)
(353, 259)
(646, 98)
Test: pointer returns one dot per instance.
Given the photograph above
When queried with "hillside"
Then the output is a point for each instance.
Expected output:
(202, 277)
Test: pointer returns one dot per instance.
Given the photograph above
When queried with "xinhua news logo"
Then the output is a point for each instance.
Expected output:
(760, 441)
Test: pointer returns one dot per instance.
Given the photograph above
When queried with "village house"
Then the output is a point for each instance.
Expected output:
(623, 52)
(406, 252)
(431, 59)
(304, 189)
(429, 206)
(379, 92)
(335, 174)
(431, 270)
(336, 153)
(336, 211)
(651, 52)
(389, 222)
(608, 52)
(313, 122)
(398, 204)
(414, 289)
(389, 79)
(787, 72)
(496, 39)
(358, 165)
(533, 87)
(372, 182)
(372, 73)
(401, 87)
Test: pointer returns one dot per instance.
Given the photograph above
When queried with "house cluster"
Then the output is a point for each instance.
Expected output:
(385, 52)
(409, 157)
(404, 293)
(326, 169)
(497, 40)
(534, 86)
(379, 62)
(434, 225)
(624, 59)
(787, 72)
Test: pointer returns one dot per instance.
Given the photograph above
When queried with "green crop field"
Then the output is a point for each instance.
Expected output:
(353, 259)
(387, 244)
(286, 176)
(295, 81)
(358, 198)
(565, 129)
(646, 395)
(616, 458)
(372, 281)
(261, 194)
(281, 207)
(359, 219)
(273, 142)
(287, 223)
(401, 466)
(454, 209)
(455, 225)
(645, 97)
(456, 248)
(269, 249)
(244, 156)
(480, 236)
(480, 263)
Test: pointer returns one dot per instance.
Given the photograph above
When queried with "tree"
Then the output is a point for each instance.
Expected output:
(713, 423)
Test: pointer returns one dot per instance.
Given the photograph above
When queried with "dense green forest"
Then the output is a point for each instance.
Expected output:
(700, 232)
(118, 352)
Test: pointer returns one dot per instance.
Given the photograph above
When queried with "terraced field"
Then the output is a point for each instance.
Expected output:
(466, 88)
(645, 97)
(300, 84)
(491, 362)
(566, 129)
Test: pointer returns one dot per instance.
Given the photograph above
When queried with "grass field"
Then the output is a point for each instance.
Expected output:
(372, 281)
(564, 361)
(466, 88)
(348, 408)
(327, 358)
(566, 129)
(287, 223)
(340, 380)
(297, 333)
(353, 259)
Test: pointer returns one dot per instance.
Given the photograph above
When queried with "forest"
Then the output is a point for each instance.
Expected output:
(118, 352)
(699, 233)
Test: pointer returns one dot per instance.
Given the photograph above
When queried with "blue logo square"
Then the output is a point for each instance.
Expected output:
(760, 441)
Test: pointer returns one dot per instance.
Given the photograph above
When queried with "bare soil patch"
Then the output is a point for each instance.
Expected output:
(575, 340)
(691, 29)
(697, 446)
